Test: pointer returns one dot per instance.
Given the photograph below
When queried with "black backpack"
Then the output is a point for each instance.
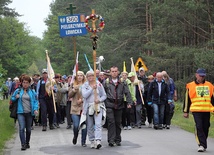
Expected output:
(13, 107)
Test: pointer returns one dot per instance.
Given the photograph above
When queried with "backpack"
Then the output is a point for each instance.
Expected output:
(13, 107)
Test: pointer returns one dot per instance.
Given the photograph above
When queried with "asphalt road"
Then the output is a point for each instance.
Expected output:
(145, 141)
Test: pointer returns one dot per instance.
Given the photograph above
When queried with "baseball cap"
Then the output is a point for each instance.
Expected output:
(44, 71)
(141, 69)
(131, 74)
(201, 72)
(64, 77)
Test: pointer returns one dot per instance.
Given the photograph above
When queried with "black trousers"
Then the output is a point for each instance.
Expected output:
(126, 115)
(68, 115)
(47, 107)
(114, 117)
(168, 114)
(202, 123)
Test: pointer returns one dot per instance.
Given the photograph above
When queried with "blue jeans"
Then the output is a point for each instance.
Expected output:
(76, 122)
(25, 121)
(158, 113)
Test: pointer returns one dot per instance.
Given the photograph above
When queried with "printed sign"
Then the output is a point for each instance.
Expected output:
(73, 25)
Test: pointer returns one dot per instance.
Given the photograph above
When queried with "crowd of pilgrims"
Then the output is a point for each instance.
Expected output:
(115, 101)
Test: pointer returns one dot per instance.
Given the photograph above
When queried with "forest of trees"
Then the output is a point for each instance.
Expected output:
(172, 35)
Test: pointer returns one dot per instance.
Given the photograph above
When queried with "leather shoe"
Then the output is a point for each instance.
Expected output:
(155, 127)
(44, 128)
(51, 127)
(27, 146)
(74, 141)
(23, 147)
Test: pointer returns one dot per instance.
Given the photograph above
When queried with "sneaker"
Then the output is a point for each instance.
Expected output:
(84, 145)
(150, 125)
(118, 143)
(125, 128)
(68, 127)
(98, 144)
(112, 144)
(57, 126)
(167, 126)
(201, 149)
(92, 144)
(139, 126)
(129, 127)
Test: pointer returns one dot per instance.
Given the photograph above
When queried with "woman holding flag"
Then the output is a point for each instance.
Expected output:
(76, 106)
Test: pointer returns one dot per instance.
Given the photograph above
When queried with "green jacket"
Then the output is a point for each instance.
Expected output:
(131, 89)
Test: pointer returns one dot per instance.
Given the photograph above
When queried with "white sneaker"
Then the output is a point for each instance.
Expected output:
(92, 144)
(201, 149)
(125, 128)
(150, 125)
(129, 127)
(98, 144)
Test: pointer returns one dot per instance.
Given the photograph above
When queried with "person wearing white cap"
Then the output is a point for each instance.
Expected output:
(94, 108)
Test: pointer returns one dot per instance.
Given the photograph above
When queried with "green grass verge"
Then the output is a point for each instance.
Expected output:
(188, 124)
(7, 128)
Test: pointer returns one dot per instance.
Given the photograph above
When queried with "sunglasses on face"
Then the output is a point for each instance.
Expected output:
(201, 76)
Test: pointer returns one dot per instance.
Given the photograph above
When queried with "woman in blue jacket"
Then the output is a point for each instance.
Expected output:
(27, 107)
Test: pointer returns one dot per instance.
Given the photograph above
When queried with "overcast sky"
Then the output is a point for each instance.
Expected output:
(34, 12)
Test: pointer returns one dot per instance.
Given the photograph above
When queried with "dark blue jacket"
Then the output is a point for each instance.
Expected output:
(153, 93)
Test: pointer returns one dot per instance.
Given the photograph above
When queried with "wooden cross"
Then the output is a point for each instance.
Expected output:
(71, 8)
(94, 43)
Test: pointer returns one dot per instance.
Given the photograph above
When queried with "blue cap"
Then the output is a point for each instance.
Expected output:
(64, 76)
(201, 72)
